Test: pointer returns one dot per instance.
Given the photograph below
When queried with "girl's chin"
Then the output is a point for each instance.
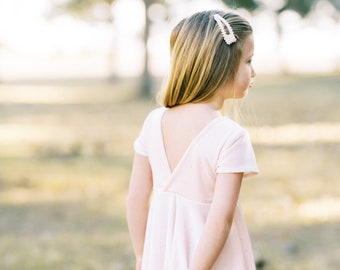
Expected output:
(245, 93)
(242, 95)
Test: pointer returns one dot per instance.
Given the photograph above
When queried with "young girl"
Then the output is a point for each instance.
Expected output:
(190, 158)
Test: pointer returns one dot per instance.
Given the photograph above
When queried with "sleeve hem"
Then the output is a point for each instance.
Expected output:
(139, 150)
(246, 171)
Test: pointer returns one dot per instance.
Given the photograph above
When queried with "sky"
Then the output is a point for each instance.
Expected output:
(34, 45)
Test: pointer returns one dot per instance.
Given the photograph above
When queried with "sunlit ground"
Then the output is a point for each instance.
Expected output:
(65, 158)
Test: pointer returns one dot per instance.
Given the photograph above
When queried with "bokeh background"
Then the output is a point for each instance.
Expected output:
(78, 77)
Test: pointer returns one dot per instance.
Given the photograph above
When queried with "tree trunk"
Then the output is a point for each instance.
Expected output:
(147, 82)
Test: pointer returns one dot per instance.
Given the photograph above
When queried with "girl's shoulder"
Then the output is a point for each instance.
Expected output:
(153, 117)
(230, 125)
(157, 112)
(228, 130)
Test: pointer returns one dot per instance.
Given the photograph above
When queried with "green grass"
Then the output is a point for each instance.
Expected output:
(65, 160)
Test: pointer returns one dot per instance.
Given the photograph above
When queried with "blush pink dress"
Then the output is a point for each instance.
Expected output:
(182, 197)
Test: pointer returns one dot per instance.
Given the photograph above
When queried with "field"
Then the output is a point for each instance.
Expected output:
(65, 160)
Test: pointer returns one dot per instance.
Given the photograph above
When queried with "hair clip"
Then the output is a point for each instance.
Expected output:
(221, 22)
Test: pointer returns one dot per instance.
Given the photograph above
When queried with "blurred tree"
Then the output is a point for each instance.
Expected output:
(81, 7)
(84, 9)
(249, 5)
(147, 84)
(304, 7)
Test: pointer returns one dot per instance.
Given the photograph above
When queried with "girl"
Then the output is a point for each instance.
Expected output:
(190, 158)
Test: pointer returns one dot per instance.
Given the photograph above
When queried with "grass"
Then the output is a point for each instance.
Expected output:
(65, 159)
(63, 214)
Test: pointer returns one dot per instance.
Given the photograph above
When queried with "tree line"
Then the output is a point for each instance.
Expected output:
(83, 9)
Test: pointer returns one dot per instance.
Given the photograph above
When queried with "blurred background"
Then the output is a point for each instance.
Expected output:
(78, 77)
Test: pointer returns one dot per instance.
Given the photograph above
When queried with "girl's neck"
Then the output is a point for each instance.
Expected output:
(202, 107)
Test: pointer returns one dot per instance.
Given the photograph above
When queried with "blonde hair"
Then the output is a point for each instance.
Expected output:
(201, 61)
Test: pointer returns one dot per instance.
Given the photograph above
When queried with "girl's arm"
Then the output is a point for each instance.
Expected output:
(138, 203)
(219, 221)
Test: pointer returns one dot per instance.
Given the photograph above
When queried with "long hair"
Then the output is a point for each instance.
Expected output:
(201, 61)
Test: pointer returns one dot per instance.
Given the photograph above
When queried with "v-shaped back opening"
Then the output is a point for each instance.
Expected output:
(173, 165)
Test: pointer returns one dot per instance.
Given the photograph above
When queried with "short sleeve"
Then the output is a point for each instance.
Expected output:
(146, 135)
(237, 156)
(140, 144)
